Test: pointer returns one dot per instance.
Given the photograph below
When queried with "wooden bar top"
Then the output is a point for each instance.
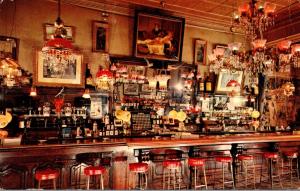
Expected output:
(213, 140)
(156, 142)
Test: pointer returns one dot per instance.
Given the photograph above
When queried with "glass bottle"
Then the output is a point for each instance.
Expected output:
(208, 84)
(201, 85)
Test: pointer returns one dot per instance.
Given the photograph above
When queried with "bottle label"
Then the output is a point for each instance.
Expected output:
(201, 86)
(208, 86)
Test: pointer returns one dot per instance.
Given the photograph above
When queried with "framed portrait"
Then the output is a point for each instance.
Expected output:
(100, 32)
(68, 32)
(54, 73)
(224, 77)
(131, 89)
(9, 47)
(200, 52)
(158, 36)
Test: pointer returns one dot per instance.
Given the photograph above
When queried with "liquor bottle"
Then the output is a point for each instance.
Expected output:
(95, 129)
(201, 85)
(208, 84)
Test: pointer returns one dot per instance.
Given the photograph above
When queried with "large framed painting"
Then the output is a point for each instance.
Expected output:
(225, 76)
(158, 37)
(54, 73)
(49, 30)
(100, 36)
(200, 52)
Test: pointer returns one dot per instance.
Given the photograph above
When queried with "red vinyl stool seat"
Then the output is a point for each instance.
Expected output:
(271, 163)
(290, 154)
(246, 168)
(245, 157)
(270, 155)
(47, 174)
(225, 160)
(196, 163)
(138, 167)
(94, 171)
(172, 169)
(171, 164)
(140, 171)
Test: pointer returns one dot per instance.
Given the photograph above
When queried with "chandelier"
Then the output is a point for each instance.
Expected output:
(255, 17)
(58, 49)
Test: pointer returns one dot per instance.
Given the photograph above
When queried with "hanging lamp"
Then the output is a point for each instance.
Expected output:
(58, 48)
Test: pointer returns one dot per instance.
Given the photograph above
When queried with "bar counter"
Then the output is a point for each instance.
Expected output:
(126, 149)
(156, 142)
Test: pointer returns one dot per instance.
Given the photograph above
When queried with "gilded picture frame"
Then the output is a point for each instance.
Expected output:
(100, 33)
(158, 37)
(131, 89)
(52, 74)
(200, 50)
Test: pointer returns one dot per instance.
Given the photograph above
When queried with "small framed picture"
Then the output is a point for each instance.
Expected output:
(131, 89)
(146, 89)
(224, 77)
(100, 32)
(200, 52)
(68, 32)
(118, 123)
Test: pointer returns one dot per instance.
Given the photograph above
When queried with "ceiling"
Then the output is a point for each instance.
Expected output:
(210, 14)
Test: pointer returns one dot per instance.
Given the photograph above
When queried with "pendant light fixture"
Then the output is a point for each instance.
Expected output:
(58, 48)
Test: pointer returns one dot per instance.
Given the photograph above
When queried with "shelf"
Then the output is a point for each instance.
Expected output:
(53, 115)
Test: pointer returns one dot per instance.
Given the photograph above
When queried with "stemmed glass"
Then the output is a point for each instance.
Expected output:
(39, 110)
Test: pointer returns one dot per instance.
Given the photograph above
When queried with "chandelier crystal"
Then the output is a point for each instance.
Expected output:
(255, 17)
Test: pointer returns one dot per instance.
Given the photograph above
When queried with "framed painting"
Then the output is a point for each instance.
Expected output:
(135, 71)
(158, 37)
(54, 73)
(9, 47)
(146, 89)
(68, 32)
(200, 52)
(100, 32)
(224, 77)
(131, 89)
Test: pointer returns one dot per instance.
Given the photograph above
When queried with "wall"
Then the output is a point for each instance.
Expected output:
(25, 21)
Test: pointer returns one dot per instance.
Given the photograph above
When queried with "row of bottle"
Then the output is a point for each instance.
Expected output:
(207, 83)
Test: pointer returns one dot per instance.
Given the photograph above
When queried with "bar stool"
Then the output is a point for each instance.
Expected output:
(246, 161)
(291, 156)
(270, 159)
(139, 170)
(195, 163)
(225, 160)
(94, 171)
(173, 169)
(47, 174)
